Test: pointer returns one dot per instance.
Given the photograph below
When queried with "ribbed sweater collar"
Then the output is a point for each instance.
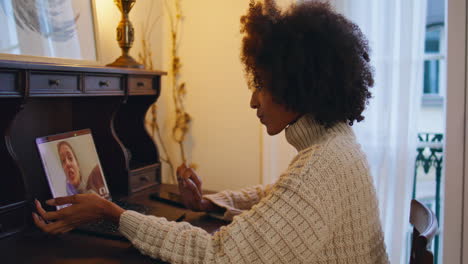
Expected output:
(306, 132)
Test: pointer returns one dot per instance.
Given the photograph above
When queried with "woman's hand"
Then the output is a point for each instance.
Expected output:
(84, 208)
(190, 188)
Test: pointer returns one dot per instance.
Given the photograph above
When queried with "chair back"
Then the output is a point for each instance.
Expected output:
(425, 228)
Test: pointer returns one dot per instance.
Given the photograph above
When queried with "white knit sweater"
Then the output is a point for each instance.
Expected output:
(323, 209)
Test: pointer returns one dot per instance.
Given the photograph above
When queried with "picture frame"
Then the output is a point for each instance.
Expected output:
(62, 32)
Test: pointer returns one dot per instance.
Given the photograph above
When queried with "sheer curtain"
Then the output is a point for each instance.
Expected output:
(395, 30)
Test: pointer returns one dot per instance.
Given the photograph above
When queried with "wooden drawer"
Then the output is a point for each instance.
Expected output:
(12, 219)
(9, 84)
(103, 84)
(57, 84)
(143, 178)
(140, 85)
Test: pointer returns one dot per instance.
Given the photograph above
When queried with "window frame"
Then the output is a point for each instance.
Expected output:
(455, 218)
(437, 100)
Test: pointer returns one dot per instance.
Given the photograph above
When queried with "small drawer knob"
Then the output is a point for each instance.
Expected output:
(140, 84)
(104, 83)
(53, 82)
(144, 179)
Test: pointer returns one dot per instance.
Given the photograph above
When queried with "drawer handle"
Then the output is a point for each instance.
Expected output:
(140, 84)
(104, 83)
(54, 82)
(144, 179)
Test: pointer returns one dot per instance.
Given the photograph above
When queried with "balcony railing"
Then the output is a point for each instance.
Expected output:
(428, 175)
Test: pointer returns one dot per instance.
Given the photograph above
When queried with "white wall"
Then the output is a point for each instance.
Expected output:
(431, 119)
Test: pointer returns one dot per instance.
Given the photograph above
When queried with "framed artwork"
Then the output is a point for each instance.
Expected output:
(54, 31)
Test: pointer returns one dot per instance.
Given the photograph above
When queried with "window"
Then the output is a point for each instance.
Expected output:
(434, 55)
(429, 166)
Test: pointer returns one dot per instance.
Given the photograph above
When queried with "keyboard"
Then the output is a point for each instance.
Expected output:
(108, 229)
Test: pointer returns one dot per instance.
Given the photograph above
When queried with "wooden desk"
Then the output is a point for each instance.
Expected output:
(40, 99)
(37, 247)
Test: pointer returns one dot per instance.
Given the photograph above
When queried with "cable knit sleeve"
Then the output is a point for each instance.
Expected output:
(235, 202)
(284, 227)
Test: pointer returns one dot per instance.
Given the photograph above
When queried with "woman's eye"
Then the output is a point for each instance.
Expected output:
(255, 89)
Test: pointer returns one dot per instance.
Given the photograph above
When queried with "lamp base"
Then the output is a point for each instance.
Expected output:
(126, 61)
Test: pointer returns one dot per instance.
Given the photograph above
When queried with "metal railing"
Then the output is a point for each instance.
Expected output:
(428, 167)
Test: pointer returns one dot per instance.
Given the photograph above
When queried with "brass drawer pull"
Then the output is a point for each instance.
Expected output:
(104, 83)
(54, 82)
(140, 84)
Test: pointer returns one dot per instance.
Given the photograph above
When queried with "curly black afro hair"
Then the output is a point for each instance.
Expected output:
(311, 59)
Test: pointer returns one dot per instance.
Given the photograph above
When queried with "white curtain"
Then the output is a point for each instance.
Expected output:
(395, 30)
(9, 40)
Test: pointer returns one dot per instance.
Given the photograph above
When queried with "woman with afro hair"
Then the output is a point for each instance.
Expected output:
(309, 72)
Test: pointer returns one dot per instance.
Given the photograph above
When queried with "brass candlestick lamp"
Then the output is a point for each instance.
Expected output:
(125, 36)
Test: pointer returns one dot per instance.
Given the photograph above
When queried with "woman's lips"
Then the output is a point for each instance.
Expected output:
(260, 117)
(71, 175)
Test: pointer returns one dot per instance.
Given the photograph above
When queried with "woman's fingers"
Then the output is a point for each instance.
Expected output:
(189, 173)
(85, 208)
(189, 187)
(194, 177)
(193, 188)
(184, 172)
(73, 199)
(48, 216)
(39, 221)
(191, 176)
(66, 230)
(51, 228)
(180, 170)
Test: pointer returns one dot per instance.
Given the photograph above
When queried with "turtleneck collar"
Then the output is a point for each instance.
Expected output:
(306, 132)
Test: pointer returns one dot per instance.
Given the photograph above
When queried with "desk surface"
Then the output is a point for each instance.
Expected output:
(37, 247)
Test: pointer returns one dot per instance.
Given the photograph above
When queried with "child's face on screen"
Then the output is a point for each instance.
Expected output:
(70, 165)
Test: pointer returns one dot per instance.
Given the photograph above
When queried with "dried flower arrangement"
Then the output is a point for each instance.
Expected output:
(182, 118)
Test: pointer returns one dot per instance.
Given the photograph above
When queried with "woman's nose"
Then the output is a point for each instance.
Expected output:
(254, 100)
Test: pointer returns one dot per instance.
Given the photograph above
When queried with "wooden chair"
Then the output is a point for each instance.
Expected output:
(425, 228)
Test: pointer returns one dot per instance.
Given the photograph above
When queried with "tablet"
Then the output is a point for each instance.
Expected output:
(72, 165)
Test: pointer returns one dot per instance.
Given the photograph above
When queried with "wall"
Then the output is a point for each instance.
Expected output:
(224, 141)
(431, 119)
